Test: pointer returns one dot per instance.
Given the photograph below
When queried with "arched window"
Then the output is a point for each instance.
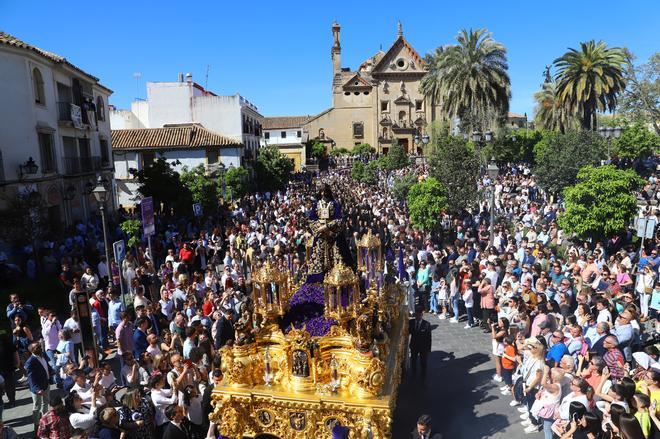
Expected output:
(38, 80)
(100, 108)
(402, 115)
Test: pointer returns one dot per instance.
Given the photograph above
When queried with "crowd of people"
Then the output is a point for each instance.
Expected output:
(571, 323)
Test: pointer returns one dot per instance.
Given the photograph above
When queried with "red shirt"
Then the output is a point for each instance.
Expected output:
(207, 308)
(53, 426)
(186, 256)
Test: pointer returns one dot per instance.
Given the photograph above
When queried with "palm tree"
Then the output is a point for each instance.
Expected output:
(430, 83)
(548, 114)
(471, 79)
(589, 80)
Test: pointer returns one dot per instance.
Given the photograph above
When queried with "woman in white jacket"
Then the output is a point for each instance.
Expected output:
(79, 419)
(161, 399)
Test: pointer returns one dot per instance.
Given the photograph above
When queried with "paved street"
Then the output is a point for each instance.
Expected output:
(459, 393)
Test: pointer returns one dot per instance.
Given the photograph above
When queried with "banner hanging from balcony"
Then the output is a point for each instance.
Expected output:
(76, 116)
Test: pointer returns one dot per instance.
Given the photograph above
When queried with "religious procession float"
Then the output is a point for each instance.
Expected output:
(321, 353)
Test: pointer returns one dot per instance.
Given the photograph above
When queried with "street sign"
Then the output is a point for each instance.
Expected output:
(148, 223)
(120, 250)
(197, 209)
(646, 227)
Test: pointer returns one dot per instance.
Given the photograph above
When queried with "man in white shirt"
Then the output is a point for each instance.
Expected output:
(49, 331)
(73, 325)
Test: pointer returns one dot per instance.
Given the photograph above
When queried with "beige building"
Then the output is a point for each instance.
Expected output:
(379, 103)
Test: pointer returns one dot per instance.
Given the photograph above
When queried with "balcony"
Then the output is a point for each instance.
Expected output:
(72, 114)
(81, 165)
(384, 139)
(403, 125)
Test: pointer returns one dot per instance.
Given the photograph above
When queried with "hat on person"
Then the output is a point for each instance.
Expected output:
(643, 359)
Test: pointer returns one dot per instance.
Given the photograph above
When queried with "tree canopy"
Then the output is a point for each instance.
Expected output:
(601, 203)
(426, 202)
(641, 97)
(470, 80)
(589, 80)
(202, 189)
(455, 164)
(637, 141)
(273, 169)
(402, 186)
(559, 157)
(163, 183)
(363, 148)
(236, 179)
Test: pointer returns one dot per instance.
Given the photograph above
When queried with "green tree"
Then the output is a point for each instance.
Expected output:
(601, 203)
(471, 80)
(589, 80)
(363, 148)
(365, 173)
(357, 170)
(131, 228)
(402, 186)
(513, 146)
(162, 182)
(559, 157)
(430, 83)
(236, 179)
(318, 150)
(396, 158)
(273, 168)
(339, 151)
(202, 188)
(548, 113)
(455, 164)
(642, 94)
(637, 141)
(426, 201)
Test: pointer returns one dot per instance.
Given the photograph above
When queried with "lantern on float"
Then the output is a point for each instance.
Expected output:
(270, 291)
(370, 257)
(342, 293)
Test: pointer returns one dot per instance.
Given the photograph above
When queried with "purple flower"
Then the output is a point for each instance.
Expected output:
(306, 308)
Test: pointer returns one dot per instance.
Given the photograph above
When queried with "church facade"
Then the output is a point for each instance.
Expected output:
(379, 103)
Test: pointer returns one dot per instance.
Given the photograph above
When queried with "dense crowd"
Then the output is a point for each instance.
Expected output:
(572, 323)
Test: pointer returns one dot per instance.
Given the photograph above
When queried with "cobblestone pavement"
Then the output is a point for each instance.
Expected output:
(459, 392)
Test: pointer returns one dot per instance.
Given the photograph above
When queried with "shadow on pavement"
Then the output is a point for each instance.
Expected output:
(451, 395)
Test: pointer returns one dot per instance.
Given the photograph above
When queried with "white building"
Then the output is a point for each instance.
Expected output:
(185, 101)
(52, 114)
(287, 134)
(189, 144)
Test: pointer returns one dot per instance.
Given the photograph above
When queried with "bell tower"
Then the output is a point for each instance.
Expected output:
(336, 49)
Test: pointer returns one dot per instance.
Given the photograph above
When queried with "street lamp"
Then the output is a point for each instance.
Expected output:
(610, 133)
(101, 196)
(492, 170)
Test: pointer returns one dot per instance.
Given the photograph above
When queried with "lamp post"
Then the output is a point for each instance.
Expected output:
(101, 196)
(492, 170)
(610, 133)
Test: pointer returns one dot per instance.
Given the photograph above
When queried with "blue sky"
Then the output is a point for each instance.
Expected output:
(277, 53)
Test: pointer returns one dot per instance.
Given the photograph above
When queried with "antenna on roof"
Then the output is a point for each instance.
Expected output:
(206, 81)
(137, 76)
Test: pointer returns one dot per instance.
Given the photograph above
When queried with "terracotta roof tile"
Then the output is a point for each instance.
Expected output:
(11, 40)
(179, 136)
(271, 123)
(511, 115)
